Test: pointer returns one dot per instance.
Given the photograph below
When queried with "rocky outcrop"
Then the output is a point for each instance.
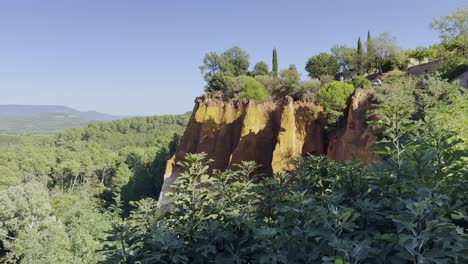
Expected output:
(354, 140)
(270, 133)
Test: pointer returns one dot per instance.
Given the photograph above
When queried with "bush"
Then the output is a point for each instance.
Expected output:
(326, 78)
(334, 96)
(360, 82)
(219, 82)
(252, 89)
(289, 82)
(271, 84)
(311, 86)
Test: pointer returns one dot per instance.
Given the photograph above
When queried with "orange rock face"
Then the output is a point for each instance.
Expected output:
(355, 140)
(270, 133)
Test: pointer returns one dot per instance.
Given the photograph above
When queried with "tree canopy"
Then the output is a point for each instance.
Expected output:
(322, 64)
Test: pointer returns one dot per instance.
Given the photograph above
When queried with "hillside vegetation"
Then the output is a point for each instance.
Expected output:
(89, 195)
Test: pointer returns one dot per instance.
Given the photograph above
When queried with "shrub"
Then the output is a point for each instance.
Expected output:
(237, 87)
(219, 82)
(271, 84)
(360, 82)
(252, 89)
(326, 78)
(311, 86)
(333, 96)
(289, 82)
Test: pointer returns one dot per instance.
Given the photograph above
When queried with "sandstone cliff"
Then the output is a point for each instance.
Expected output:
(271, 134)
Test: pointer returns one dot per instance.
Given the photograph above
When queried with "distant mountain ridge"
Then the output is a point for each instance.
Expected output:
(15, 110)
(46, 119)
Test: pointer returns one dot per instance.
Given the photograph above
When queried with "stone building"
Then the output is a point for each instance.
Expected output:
(425, 68)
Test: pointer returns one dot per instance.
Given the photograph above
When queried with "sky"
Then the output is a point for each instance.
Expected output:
(142, 57)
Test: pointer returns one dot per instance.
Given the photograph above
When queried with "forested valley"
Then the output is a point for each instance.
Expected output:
(54, 188)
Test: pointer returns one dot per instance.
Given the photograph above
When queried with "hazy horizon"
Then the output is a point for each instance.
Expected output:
(142, 58)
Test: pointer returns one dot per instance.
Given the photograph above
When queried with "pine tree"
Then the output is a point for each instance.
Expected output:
(275, 64)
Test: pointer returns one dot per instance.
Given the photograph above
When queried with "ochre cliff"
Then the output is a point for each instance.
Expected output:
(353, 140)
(271, 134)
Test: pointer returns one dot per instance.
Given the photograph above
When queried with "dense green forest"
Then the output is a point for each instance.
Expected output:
(54, 188)
(89, 194)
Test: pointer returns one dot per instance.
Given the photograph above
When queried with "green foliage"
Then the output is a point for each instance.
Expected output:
(421, 53)
(387, 55)
(334, 97)
(321, 212)
(370, 53)
(345, 56)
(252, 89)
(310, 87)
(236, 61)
(394, 117)
(452, 65)
(275, 64)
(360, 58)
(360, 82)
(218, 83)
(453, 30)
(44, 124)
(37, 229)
(65, 224)
(322, 64)
(452, 26)
(233, 61)
(243, 87)
(289, 82)
(83, 196)
(148, 178)
(260, 68)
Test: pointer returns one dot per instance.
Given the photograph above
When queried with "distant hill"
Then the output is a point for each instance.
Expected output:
(45, 119)
(42, 124)
(31, 110)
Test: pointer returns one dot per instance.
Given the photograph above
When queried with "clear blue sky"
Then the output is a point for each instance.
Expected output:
(142, 57)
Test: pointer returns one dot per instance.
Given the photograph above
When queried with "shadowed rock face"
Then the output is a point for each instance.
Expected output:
(354, 140)
(271, 134)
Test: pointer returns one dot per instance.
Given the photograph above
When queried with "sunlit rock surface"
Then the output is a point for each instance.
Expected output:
(271, 134)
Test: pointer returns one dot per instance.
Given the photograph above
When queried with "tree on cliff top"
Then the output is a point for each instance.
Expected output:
(452, 26)
(334, 97)
(321, 64)
(233, 61)
(453, 51)
(260, 68)
(359, 58)
(383, 53)
(275, 64)
(289, 82)
(345, 56)
(252, 89)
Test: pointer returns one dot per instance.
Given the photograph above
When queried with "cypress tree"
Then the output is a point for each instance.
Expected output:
(359, 58)
(369, 42)
(275, 64)
(370, 51)
(359, 46)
